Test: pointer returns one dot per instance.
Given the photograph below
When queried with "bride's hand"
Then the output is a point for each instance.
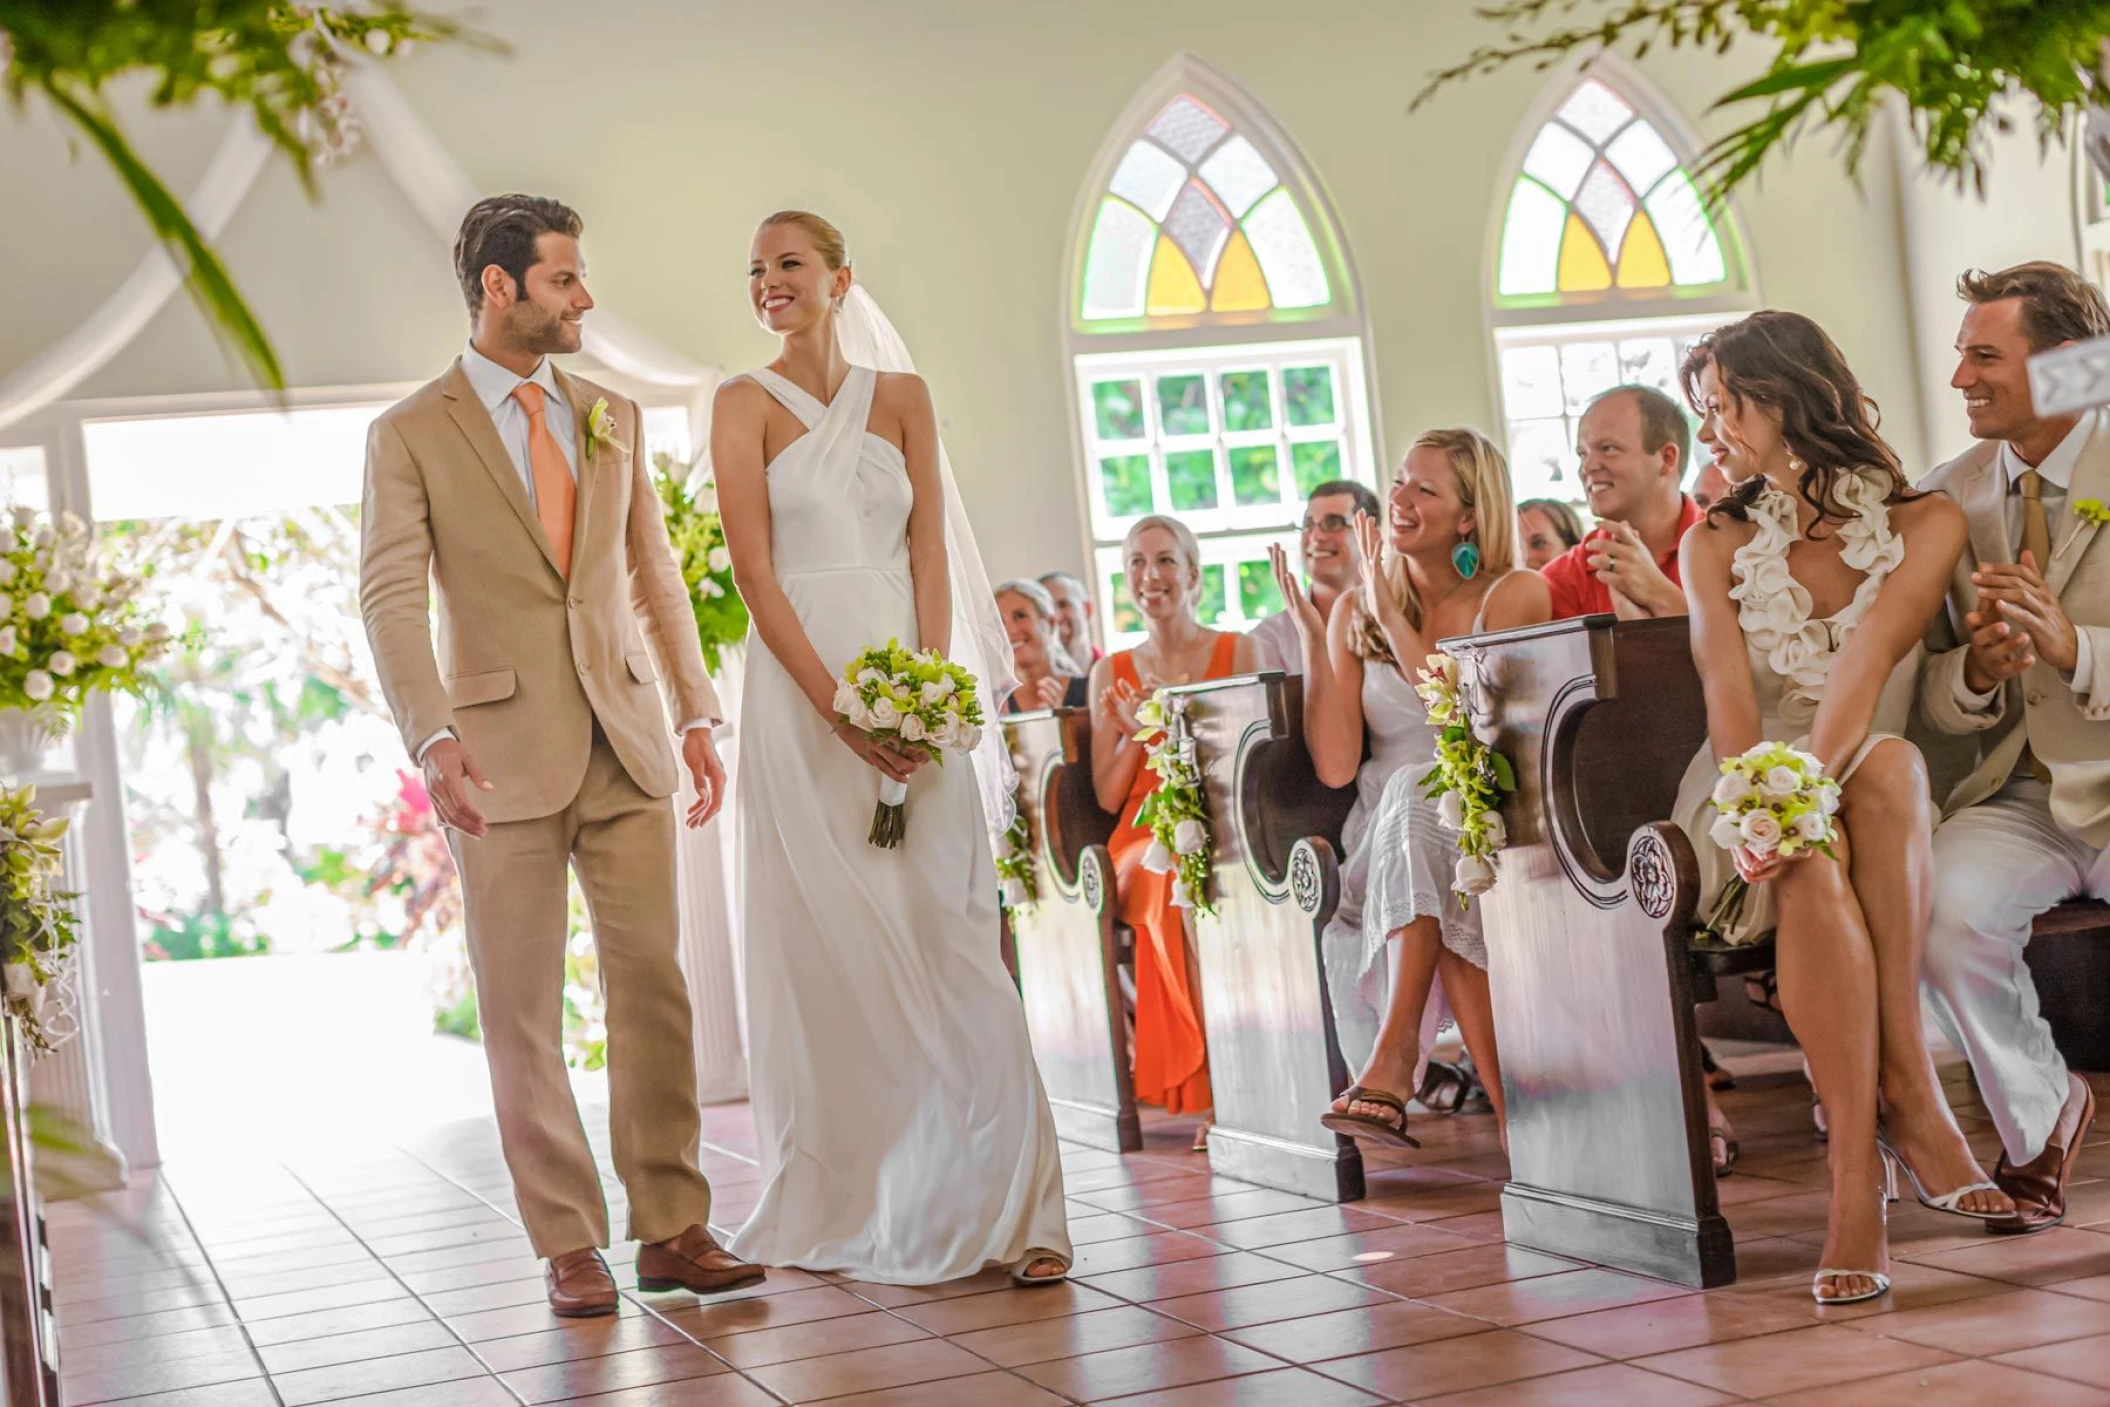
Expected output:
(900, 766)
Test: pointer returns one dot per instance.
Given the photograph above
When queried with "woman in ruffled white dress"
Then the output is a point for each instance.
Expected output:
(1451, 570)
(899, 1118)
(1809, 588)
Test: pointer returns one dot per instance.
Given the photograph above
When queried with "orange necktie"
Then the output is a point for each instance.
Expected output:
(555, 493)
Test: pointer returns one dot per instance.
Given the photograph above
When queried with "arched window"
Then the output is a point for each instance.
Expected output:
(2091, 211)
(1216, 340)
(1606, 267)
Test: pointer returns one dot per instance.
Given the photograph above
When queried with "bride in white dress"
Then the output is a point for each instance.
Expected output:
(1810, 586)
(903, 1134)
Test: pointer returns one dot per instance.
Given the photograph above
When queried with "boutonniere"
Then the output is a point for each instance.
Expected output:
(2091, 510)
(600, 430)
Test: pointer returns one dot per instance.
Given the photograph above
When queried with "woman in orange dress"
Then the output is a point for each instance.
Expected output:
(1162, 566)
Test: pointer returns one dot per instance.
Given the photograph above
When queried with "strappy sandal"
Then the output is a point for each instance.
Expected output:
(1201, 1136)
(1827, 1277)
(1032, 1258)
(1377, 1130)
(1950, 1202)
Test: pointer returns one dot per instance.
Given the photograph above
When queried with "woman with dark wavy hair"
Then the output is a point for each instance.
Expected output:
(1810, 586)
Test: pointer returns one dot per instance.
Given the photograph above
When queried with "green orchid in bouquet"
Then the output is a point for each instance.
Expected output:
(71, 621)
(37, 921)
(698, 534)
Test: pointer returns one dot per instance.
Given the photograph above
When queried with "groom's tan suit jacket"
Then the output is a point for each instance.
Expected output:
(527, 660)
(2066, 724)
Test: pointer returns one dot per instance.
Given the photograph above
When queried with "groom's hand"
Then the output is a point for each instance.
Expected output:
(701, 756)
(449, 774)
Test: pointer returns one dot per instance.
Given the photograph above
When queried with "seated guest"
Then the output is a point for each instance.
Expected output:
(1810, 588)
(1712, 485)
(1632, 443)
(1326, 543)
(1047, 677)
(1162, 563)
(1444, 564)
(1076, 618)
(2020, 659)
(1546, 527)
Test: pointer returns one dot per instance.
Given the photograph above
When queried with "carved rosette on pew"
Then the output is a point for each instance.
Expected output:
(1274, 1060)
(1589, 948)
(1068, 950)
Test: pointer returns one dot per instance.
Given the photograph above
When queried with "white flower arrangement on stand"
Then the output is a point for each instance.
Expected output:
(1469, 781)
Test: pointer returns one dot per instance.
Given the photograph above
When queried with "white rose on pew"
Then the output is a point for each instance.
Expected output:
(1475, 875)
(1013, 890)
(1726, 832)
(1450, 811)
(1497, 829)
(1181, 897)
(1158, 860)
(1189, 836)
(1005, 849)
(1761, 832)
(23, 986)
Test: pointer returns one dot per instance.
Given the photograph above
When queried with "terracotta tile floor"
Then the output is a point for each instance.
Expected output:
(393, 1276)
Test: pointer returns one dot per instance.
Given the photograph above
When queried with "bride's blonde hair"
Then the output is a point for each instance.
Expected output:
(827, 240)
(1483, 487)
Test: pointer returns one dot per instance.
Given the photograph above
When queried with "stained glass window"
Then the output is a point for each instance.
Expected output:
(1195, 220)
(1603, 207)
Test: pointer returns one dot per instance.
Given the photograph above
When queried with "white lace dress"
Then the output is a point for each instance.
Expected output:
(1791, 656)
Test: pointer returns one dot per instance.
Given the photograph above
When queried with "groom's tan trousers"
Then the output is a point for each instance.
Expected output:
(621, 842)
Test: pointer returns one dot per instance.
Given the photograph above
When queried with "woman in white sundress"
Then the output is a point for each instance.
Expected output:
(903, 1134)
(1810, 586)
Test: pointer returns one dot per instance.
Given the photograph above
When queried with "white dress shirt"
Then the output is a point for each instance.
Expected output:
(2057, 474)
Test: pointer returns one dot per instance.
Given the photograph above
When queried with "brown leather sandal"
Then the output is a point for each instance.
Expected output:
(1385, 1131)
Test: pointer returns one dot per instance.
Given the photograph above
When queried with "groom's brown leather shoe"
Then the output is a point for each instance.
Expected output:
(2039, 1185)
(693, 1261)
(579, 1284)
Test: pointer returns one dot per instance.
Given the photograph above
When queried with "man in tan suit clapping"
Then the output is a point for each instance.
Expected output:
(520, 493)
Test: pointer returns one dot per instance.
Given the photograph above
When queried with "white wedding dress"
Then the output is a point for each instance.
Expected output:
(1791, 656)
(903, 1134)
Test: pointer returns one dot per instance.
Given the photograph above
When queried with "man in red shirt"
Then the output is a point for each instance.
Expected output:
(1632, 440)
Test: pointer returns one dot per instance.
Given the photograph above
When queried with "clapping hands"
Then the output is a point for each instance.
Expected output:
(1621, 560)
(2018, 622)
(1121, 699)
(1295, 599)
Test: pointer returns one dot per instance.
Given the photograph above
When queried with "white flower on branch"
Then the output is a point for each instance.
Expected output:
(38, 685)
(62, 663)
(37, 606)
(73, 623)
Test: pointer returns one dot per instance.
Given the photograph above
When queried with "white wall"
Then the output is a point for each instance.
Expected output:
(948, 138)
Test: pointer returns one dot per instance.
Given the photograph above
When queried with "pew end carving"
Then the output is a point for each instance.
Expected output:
(1068, 947)
(1275, 1060)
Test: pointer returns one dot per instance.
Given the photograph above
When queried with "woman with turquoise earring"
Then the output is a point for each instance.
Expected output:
(1444, 563)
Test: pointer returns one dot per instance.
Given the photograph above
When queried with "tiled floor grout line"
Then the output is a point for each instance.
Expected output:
(248, 1339)
(396, 1276)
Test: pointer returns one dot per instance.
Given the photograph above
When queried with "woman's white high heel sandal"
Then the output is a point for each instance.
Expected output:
(1948, 1202)
(1827, 1278)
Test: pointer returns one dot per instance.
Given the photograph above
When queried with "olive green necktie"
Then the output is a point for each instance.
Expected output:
(2036, 541)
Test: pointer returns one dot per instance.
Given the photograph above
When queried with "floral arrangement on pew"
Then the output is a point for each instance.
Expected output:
(69, 624)
(913, 702)
(1469, 781)
(698, 535)
(1017, 873)
(37, 920)
(1174, 814)
(1772, 800)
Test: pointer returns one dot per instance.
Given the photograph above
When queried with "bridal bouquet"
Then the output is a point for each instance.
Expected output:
(1772, 800)
(912, 702)
(1468, 782)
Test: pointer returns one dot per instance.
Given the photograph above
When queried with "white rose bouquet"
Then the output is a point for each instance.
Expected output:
(1468, 782)
(912, 702)
(1771, 800)
(69, 623)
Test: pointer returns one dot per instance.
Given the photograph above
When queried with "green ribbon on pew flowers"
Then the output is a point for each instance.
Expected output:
(1174, 814)
(1017, 876)
(1468, 783)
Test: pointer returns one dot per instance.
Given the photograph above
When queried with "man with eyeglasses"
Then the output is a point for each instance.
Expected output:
(1326, 547)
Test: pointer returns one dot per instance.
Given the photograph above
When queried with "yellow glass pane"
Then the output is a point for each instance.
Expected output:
(1583, 267)
(1173, 286)
(1642, 262)
(1240, 287)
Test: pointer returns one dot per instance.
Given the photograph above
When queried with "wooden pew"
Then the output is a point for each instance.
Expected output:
(1066, 945)
(1274, 1061)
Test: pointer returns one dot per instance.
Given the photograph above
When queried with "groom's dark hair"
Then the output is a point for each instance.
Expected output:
(502, 230)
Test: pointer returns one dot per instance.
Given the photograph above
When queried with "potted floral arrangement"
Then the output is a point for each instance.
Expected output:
(699, 543)
(70, 624)
(36, 919)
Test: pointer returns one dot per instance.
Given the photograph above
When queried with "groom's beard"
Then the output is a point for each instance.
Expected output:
(538, 331)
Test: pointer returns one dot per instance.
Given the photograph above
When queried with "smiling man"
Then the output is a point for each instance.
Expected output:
(1631, 441)
(1326, 547)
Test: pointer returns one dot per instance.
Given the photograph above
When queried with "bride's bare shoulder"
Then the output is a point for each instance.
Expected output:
(741, 397)
(899, 390)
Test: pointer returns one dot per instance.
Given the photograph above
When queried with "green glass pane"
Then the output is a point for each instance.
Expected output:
(1257, 591)
(1309, 392)
(1118, 406)
(1246, 403)
(1255, 477)
(1126, 480)
(1212, 603)
(1127, 619)
(1183, 405)
(1191, 475)
(1315, 462)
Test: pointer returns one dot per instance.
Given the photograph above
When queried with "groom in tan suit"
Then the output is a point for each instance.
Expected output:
(520, 492)
(2020, 661)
